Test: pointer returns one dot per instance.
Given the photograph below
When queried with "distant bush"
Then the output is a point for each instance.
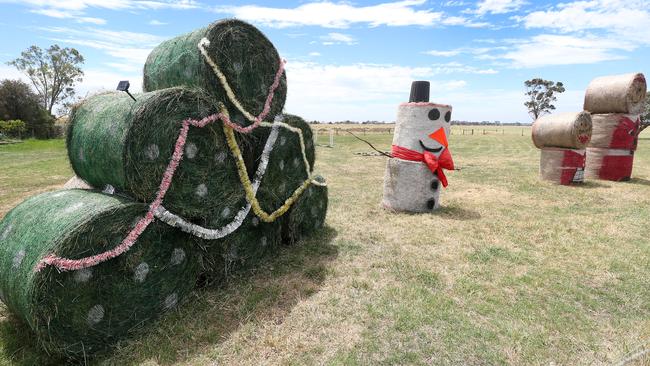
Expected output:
(14, 128)
(18, 102)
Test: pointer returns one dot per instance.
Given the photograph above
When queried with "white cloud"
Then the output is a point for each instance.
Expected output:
(498, 6)
(336, 15)
(449, 53)
(338, 38)
(132, 49)
(462, 21)
(548, 50)
(458, 68)
(157, 22)
(65, 14)
(314, 54)
(627, 20)
(357, 92)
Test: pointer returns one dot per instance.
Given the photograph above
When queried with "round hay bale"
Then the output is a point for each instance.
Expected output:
(85, 311)
(286, 169)
(128, 145)
(562, 166)
(308, 214)
(616, 94)
(416, 121)
(609, 164)
(244, 248)
(409, 186)
(615, 131)
(248, 60)
(564, 130)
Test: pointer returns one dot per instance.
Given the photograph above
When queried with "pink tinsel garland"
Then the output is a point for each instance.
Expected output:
(66, 264)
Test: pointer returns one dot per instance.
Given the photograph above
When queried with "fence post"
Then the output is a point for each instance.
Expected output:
(332, 138)
(472, 132)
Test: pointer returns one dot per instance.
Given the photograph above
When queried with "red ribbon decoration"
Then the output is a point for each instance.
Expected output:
(434, 163)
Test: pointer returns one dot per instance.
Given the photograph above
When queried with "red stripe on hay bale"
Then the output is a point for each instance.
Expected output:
(609, 164)
(562, 166)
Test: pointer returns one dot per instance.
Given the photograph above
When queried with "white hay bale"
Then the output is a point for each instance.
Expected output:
(562, 166)
(410, 186)
(616, 94)
(564, 130)
(415, 121)
(609, 164)
(615, 131)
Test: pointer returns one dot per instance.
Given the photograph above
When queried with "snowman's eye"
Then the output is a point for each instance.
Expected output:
(434, 114)
(448, 116)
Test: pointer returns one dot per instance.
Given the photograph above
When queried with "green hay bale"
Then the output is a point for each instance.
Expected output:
(286, 170)
(308, 214)
(244, 55)
(114, 140)
(85, 311)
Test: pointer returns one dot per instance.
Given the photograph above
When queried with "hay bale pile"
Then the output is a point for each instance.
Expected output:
(188, 181)
(562, 139)
(615, 103)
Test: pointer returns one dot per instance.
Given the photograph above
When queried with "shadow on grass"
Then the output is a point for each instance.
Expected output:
(590, 184)
(458, 213)
(266, 292)
(639, 181)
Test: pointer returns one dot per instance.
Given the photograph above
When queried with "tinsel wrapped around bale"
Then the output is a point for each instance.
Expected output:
(562, 139)
(616, 94)
(244, 56)
(308, 214)
(570, 130)
(128, 145)
(420, 151)
(83, 311)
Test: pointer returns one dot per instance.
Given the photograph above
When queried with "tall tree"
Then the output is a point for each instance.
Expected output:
(53, 72)
(18, 102)
(541, 96)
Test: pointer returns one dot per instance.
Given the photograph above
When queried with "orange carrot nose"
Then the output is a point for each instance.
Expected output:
(440, 136)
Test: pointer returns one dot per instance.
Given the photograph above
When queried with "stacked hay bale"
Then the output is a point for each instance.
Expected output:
(414, 176)
(562, 139)
(615, 103)
(85, 268)
(81, 312)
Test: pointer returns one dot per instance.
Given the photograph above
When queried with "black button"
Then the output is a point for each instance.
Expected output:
(448, 116)
(431, 204)
(435, 184)
(434, 114)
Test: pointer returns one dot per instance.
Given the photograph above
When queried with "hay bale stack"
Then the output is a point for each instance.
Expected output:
(81, 312)
(128, 145)
(562, 166)
(248, 60)
(615, 131)
(616, 94)
(609, 164)
(615, 103)
(563, 130)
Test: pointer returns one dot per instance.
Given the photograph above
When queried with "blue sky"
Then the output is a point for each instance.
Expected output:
(355, 59)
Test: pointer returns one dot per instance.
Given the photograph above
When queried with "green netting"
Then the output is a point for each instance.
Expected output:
(244, 55)
(113, 140)
(84, 311)
(286, 169)
(308, 214)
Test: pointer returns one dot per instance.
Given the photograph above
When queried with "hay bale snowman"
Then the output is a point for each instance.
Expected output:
(420, 152)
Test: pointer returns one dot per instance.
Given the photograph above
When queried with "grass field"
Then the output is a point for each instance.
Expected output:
(510, 271)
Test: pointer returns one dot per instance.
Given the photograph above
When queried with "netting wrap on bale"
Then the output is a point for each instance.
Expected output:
(81, 312)
(128, 145)
(616, 94)
(615, 131)
(563, 130)
(562, 166)
(247, 59)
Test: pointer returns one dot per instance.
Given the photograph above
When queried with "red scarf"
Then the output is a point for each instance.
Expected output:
(434, 163)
